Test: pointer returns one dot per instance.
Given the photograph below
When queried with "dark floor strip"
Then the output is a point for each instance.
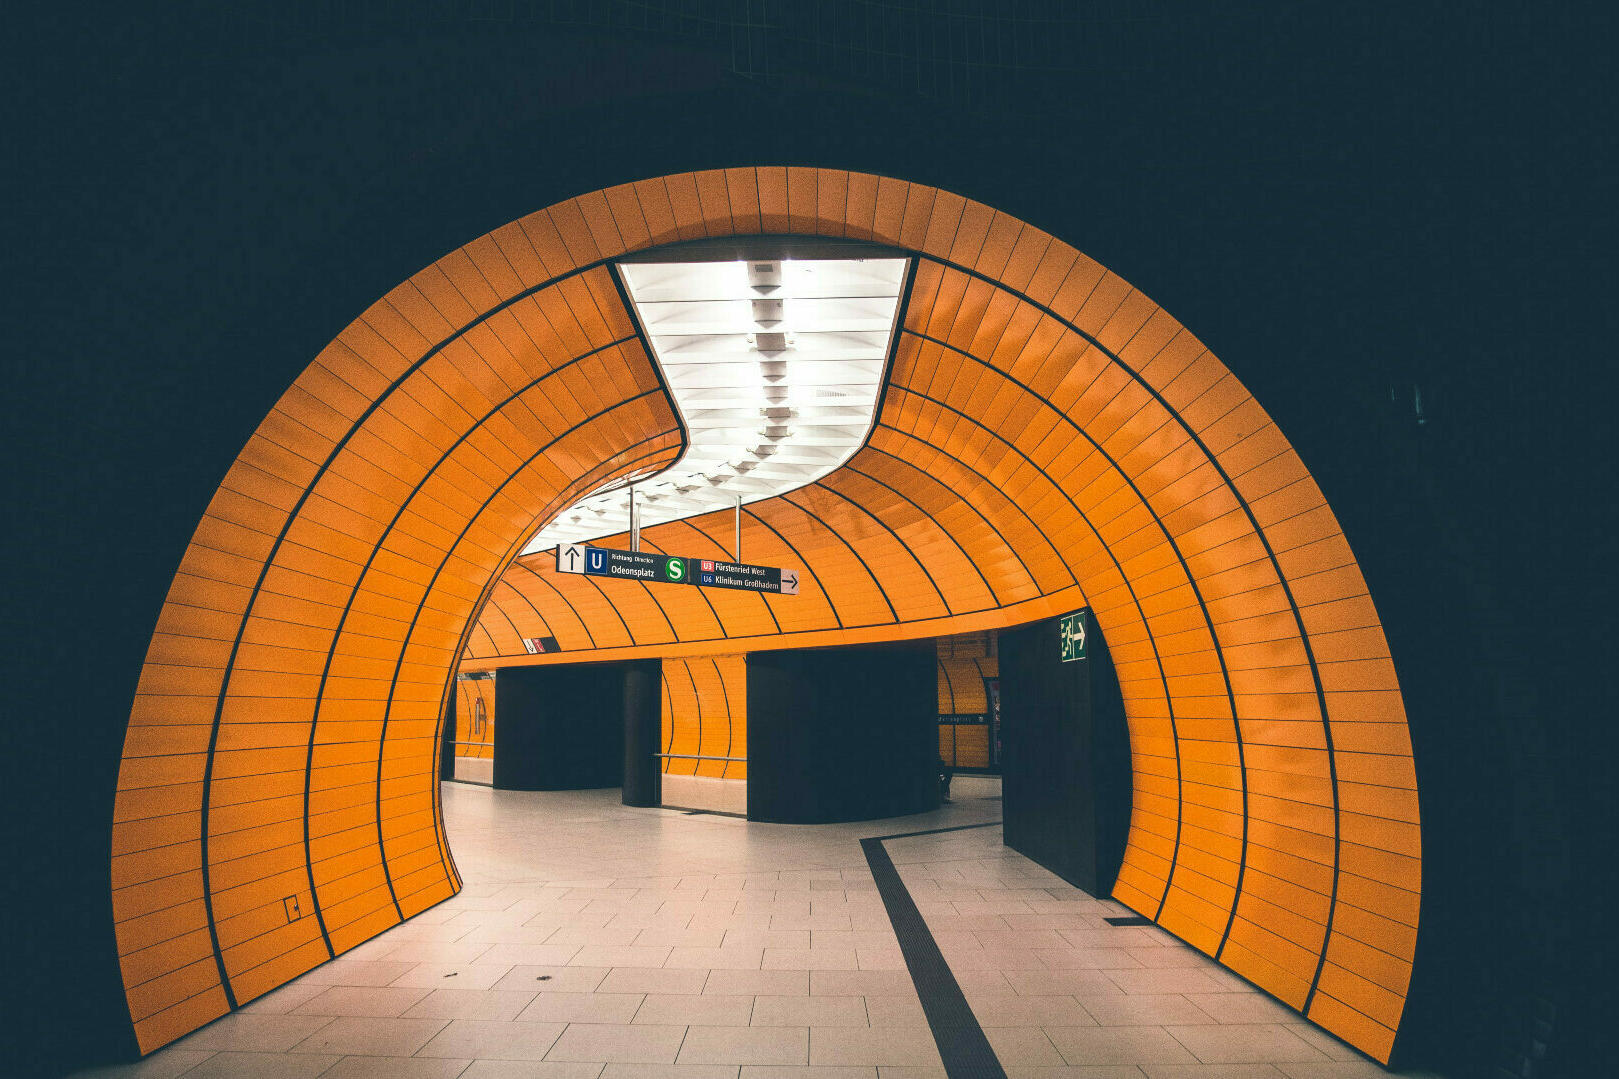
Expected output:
(962, 1045)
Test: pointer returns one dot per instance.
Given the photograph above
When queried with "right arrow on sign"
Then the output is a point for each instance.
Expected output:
(789, 582)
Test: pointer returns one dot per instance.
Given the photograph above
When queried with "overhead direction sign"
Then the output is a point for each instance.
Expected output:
(714, 574)
(611, 562)
(673, 569)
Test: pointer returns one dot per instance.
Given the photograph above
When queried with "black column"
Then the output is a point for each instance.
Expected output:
(446, 749)
(559, 728)
(839, 734)
(643, 732)
(1065, 761)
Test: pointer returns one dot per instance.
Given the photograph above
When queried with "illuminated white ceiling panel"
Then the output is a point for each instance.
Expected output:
(775, 365)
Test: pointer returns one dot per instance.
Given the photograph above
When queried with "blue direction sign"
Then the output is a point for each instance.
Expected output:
(629, 565)
(673, 569)
(714, 574)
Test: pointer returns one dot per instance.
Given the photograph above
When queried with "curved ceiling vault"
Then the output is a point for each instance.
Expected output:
(1049, 438)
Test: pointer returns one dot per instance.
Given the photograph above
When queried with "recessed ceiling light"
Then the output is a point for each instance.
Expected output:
(744, 347)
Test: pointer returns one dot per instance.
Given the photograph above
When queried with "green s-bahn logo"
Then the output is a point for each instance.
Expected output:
(674, 569)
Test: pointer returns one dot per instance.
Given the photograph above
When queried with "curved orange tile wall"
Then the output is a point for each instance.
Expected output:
(705, 716)
(1049, 439)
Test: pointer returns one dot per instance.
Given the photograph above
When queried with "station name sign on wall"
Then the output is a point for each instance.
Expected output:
(674, 569)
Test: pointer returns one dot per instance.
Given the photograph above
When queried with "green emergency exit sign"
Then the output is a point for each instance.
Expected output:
(1071, 633)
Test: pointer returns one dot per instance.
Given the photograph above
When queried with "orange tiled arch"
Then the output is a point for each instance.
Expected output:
(1050, 438)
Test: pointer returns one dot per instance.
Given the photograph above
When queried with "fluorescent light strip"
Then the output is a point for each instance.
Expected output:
(775, 365)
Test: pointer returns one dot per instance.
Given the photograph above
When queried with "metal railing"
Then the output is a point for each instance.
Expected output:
(696, 757)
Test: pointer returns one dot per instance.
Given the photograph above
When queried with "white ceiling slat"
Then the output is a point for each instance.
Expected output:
(777, 383)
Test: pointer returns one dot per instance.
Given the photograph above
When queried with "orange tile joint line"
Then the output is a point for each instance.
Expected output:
(1049, 438)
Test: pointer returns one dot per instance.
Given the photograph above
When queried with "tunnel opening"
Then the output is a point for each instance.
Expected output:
(1045, 439)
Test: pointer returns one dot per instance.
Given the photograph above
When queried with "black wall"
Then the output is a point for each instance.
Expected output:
(643, 732)
(838, 734)
(1065, 756)
(446, 744)
(559, 728)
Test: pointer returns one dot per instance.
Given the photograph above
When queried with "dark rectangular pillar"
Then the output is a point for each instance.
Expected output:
(643, 732)
(1065, 761)
(839, 734)
(560, 727)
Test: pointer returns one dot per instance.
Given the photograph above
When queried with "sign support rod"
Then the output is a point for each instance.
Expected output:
(736, 555)
(635, 526)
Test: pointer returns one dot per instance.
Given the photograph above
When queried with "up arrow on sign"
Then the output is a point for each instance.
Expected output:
(570, 558)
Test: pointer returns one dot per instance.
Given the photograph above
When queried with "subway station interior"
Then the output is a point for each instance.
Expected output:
(755, 540)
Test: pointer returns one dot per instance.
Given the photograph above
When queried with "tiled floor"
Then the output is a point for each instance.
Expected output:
(598, 941)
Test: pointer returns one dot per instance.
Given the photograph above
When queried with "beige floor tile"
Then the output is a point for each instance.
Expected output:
(652, 980)
(1332, 1047)
(745, 1045)
(1001, 959)
(1212, 1071)
(1169, 981)
(895, 1011)
(532, 955)
(810, 959)
(552, 979)
(769, 938)
(618, 1043)
(582, 1008)
(244, 1032)
(375, 1001)
(396, 1068)
(758, 983)
(873, 1045)
(1003, 1010)
(452, 976)
(1020, 938)
(262, 1066)
(372, 1036)
(696, 1009)
(506, 1041)
(1243, 1008)
(626, 955)
(284, 1000)
(1091, 1071)
(1118, 1045)
(809, 1011)
(671, 937)
(861, 983)
(728, 957)
(1332, 1069)
(606, 936)
(428, 951)
(807, 1071)
(530, 1069)
(470, 1004)
(1245, 1044)
(670, 1071)
(1080, 983)
(1145, 1009)
(1087, 959)
(1022, 1046)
